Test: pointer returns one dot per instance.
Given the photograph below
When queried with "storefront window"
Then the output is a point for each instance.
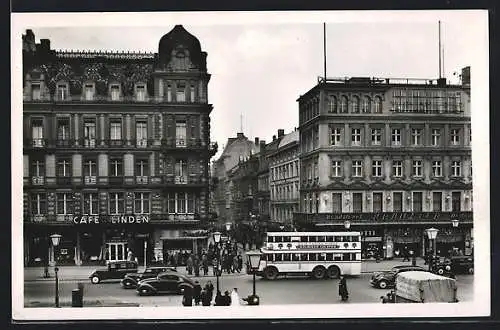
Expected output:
(397, 201)
(437, 201)
(377, 202)
(357, 202)
(417, 202)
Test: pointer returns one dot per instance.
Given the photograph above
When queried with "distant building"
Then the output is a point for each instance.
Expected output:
(236, 150)
(392, 157)
(116, 151)
(284, 179)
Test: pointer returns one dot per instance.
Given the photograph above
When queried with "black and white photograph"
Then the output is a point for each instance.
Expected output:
(250, 165)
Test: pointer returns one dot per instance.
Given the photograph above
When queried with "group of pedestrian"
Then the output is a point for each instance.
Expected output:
(204, 296)
(232, 262)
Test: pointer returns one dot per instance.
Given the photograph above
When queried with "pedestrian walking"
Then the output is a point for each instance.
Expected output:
(204, 263)
(196, 266)
(235, 298)
(235, 264)
(240, 263)
(189, 265)
(187, 297)
(214, 265)
(343, 292)
(197, 293)
(210, 289)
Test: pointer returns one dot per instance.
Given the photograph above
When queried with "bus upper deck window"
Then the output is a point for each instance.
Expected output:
(286, 239)
(346, 238)
(278, 239)
(296, 257)
(321, 239)
(355, 238)
(338, 238)
(313, 239)
(303, 238)
(270, 239)
(329, 238)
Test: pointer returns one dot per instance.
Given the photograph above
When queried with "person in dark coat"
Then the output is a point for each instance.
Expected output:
(209, 287)
(227, 299)
(240, 263)
(197, 293)
(196, 266)
(204, 264)
(205, 299)
(187, 297)
(189, 265)
(219, 299)
(343, 293)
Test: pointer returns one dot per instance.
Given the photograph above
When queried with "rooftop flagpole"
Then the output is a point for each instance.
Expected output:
(324, 51)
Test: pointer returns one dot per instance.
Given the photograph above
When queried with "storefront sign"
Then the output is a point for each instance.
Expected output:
(113, 219)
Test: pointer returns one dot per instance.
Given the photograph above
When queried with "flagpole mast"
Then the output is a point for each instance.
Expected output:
(324, 51)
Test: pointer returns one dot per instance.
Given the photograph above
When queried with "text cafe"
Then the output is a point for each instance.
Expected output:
(113, 219)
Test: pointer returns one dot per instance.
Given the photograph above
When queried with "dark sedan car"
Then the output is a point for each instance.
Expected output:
(169, 282)
(130, 280)
(114, 270)
(386, 279)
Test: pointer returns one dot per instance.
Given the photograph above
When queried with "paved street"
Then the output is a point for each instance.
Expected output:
(293, 290)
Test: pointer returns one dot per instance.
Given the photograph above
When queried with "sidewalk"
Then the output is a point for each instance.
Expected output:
(82, 273)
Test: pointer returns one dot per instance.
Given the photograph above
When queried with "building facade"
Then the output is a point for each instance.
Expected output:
(284, 179)
(392, 157)
(116, 151)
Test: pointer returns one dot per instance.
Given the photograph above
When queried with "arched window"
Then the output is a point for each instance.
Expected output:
(366, 104)
(355, 104)
(378, 105)
(332, 104)
(343, 104)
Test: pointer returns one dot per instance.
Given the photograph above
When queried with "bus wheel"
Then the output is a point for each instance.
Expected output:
(270, 273)
(333, 272)
(319, 272)
(470, 270)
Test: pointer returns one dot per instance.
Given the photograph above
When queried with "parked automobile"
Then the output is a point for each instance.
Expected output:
(131, 279)
(169, 282)
(386, 279)
(114, 270)
(457, 265)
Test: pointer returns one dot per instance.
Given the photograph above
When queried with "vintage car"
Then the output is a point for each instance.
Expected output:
(386, 279)
(130, 280)
(114, 270)
(168, 282)
(456, 265)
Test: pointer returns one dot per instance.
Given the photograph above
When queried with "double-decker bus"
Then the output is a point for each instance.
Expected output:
(317, 254)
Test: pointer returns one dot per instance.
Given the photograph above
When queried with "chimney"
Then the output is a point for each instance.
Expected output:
(281, 132)
(256, 141)
(466, 76)
(441, 82)
(239, 135)
(44, 45)
(274, 137)
(262, 145)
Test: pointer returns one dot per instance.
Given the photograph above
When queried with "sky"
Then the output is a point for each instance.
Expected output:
(262, 64)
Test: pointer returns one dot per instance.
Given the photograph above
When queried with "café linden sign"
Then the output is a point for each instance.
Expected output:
(112, 219)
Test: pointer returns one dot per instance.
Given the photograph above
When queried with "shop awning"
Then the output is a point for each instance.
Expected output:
(182, 238)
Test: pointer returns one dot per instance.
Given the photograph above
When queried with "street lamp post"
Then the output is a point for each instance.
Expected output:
(432, 234)
(254, 261)
(216, 236)
(56, 238)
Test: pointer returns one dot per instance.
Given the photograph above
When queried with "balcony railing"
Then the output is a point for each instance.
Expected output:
(180, 142)
(181, 180)
(112, 180)
(141, 179)
(141, 143)
(115, 143)
(39, 143)
(37, 180)
(89, 143)
(63, 180)
(90, 179)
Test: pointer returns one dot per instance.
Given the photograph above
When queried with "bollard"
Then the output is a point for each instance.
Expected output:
(76, 298)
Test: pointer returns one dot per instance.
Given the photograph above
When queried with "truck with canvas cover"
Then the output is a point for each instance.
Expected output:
(424, 287)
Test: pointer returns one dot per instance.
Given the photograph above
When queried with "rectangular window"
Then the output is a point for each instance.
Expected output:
(417, 168)
(116, 204)
(356, 137)
(169, 93)
(38, 204)
(64, 203)
(115, 130)
(181, 171)
(437, 201)
(337, 202)
(376, 136)
(115, 92)
(37, 132)
(140, 91)
(89, 167)
(455, 137)
(397, 168)
(141, 203)
(36, 94)
(335, 136)
(436, 137)
(181, 202)
(62, 92)
(64, 167)
(357, 202)
(37, 168)
(377, 168)
(456, 197)
(115, 167)
(89, 133)
(180, 92)
(456, 168)
(141, 133)
(90, 203)
(397, 201)
(141, 167)
(377, 202)
(89, 92)
(396, 137)
(357, 168)
(437, 168)
(192, 92)
(63, 129)
(336, 168)
(180, 133)
(416, 136)
(417, 202)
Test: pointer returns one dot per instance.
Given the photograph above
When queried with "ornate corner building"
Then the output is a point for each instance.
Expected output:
(116, 151)
(392, 157)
